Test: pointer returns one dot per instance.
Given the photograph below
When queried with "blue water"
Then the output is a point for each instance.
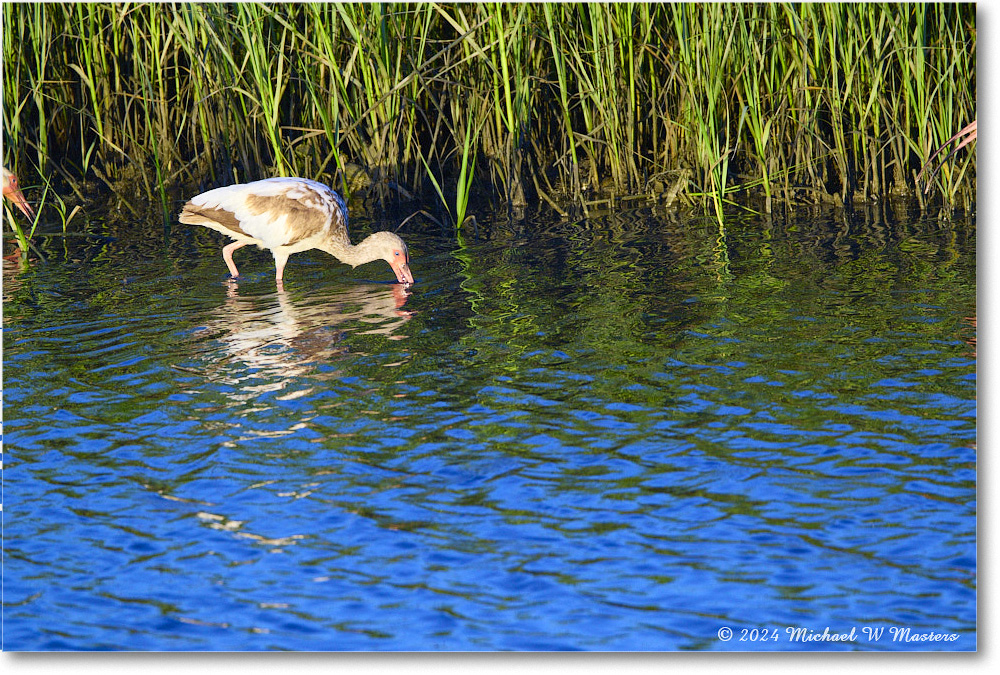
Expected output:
(624, 433)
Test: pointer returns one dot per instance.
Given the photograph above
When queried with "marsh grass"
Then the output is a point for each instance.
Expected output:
(511, 103)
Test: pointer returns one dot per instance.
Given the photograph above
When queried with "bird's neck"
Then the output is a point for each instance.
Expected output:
(351, 254)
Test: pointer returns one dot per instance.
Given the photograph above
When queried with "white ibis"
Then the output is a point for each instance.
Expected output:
(12, 191)
(289, 215)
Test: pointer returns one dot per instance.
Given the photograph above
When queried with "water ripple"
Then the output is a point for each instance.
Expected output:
(502, 458)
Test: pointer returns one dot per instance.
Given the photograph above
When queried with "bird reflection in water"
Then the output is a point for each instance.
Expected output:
(12, 268)
(269, 342)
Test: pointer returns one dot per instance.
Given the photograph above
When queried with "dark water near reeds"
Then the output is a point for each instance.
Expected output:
(615, 434)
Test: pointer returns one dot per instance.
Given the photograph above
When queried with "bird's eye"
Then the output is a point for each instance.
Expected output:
(395, 252)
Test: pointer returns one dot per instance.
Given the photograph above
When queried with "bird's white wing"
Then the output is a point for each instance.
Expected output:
(275, 211)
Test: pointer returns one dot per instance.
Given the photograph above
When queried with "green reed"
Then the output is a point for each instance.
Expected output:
(519, 103)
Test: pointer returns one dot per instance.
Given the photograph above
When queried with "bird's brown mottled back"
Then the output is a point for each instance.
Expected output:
(303, 218)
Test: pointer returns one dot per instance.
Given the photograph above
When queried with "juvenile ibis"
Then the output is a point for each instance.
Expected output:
(289, 215)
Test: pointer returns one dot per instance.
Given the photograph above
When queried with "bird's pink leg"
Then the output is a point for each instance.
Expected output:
(227, 255)
(279, 266)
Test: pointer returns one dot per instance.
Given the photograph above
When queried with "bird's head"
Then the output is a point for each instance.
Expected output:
(392, 249)
(12, 191)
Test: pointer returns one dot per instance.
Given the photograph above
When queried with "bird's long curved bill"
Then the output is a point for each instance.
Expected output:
(20, 202)
(403, 274)
(967, 135)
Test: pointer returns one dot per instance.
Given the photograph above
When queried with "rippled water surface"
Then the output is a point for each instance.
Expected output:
(625, 433)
